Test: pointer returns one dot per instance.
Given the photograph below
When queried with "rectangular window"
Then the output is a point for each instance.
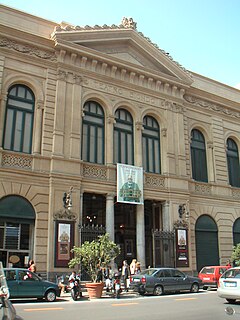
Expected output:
(24, 236)
(100, 145)
(12, 236)
(27, 133)
(84, 143)
(8, 129)
(18, 132)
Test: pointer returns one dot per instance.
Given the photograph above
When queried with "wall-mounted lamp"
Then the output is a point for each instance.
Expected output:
(183, 210)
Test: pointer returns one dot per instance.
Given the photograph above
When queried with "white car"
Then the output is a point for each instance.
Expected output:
(229, 285)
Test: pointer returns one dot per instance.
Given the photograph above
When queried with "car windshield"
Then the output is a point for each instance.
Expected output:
(232, 273)
(207, 270)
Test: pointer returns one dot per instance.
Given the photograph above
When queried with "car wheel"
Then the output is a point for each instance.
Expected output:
(194, 288)
(231, 300)
(50, 295)
(158, 291)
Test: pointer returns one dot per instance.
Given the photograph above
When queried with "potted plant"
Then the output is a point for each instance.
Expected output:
(94, 256)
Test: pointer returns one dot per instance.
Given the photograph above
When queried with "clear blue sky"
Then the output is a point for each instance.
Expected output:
(202, 35)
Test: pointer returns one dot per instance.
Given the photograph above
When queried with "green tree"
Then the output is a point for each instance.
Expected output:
(236, 255)
(94, 255)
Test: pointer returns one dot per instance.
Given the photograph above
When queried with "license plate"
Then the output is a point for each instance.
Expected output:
(206, 278)
(230, 284)
(136, 280)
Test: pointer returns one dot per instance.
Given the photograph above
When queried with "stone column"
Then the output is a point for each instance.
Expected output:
(76, 118)
(59, 117)
(138, 144)
(80, 217)
(3, 99)
(110, 216)
(109, 139)
(38, 128)
(140, 236)
(166, 216)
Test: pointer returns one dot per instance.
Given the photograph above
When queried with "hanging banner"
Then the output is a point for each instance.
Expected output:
(129, 184)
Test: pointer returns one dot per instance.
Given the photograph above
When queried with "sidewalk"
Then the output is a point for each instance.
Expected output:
(105, 295)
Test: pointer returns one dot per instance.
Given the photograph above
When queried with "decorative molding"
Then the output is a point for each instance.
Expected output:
(127, 23)
(236, 193)
(64, 214)
(211, 106)
(202, 188)
(27, 49)
(180, 224)
(94, 172)
(16, 161)
(152, 181)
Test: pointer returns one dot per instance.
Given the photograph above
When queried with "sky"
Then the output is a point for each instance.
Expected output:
(202, 35)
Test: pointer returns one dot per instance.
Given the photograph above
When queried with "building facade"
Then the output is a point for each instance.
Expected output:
(75, 101)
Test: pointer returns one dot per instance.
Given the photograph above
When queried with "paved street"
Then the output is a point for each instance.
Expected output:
(201, 306)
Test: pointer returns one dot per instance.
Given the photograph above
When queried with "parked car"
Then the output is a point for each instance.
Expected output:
(23, 283)
(210, 275)
(158, 281)
(229, 285)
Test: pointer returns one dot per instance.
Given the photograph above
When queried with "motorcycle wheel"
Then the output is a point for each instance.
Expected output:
(73, 295)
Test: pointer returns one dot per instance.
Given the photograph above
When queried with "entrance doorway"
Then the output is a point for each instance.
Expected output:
(17, 219)
(206, 235)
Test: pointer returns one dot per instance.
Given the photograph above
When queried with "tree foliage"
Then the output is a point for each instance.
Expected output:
(94, 255)
(236, 255)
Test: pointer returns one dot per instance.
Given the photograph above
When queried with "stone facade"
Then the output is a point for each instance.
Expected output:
(65, 66)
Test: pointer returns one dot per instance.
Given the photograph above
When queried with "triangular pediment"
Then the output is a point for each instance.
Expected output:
(127, 46)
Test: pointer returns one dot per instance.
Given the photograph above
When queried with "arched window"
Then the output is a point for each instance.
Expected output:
(198, 155)
(236, 232)
(93, 133)
(123, 137)
(233, 163)
(18, 127)
(151, 145)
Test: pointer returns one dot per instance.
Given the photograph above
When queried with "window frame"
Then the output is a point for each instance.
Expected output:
(123, 132)
(198, 156)
(94, 155)
(14, 106)
(149, 138)
(233, 163)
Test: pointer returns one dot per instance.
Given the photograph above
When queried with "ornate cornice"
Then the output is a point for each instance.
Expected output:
(126, 23)
(211, 106)
(27, 49)
(180, 224)
(64, 214)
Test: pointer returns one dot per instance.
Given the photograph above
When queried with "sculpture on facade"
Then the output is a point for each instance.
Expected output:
(129, 23)
(67, 199)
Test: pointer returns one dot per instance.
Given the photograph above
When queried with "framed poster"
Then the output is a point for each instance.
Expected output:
(182, 258)
(64, 242)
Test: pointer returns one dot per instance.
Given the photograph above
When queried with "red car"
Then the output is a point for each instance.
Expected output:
(210, 275)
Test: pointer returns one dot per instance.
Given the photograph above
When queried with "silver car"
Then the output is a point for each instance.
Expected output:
(158, 281)
(229, 285)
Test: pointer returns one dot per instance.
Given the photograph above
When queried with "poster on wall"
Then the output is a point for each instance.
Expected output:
(182, 259)
(64, 243)
(129, 184)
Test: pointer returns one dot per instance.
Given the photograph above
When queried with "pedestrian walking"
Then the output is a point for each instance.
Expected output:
(125, 274)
